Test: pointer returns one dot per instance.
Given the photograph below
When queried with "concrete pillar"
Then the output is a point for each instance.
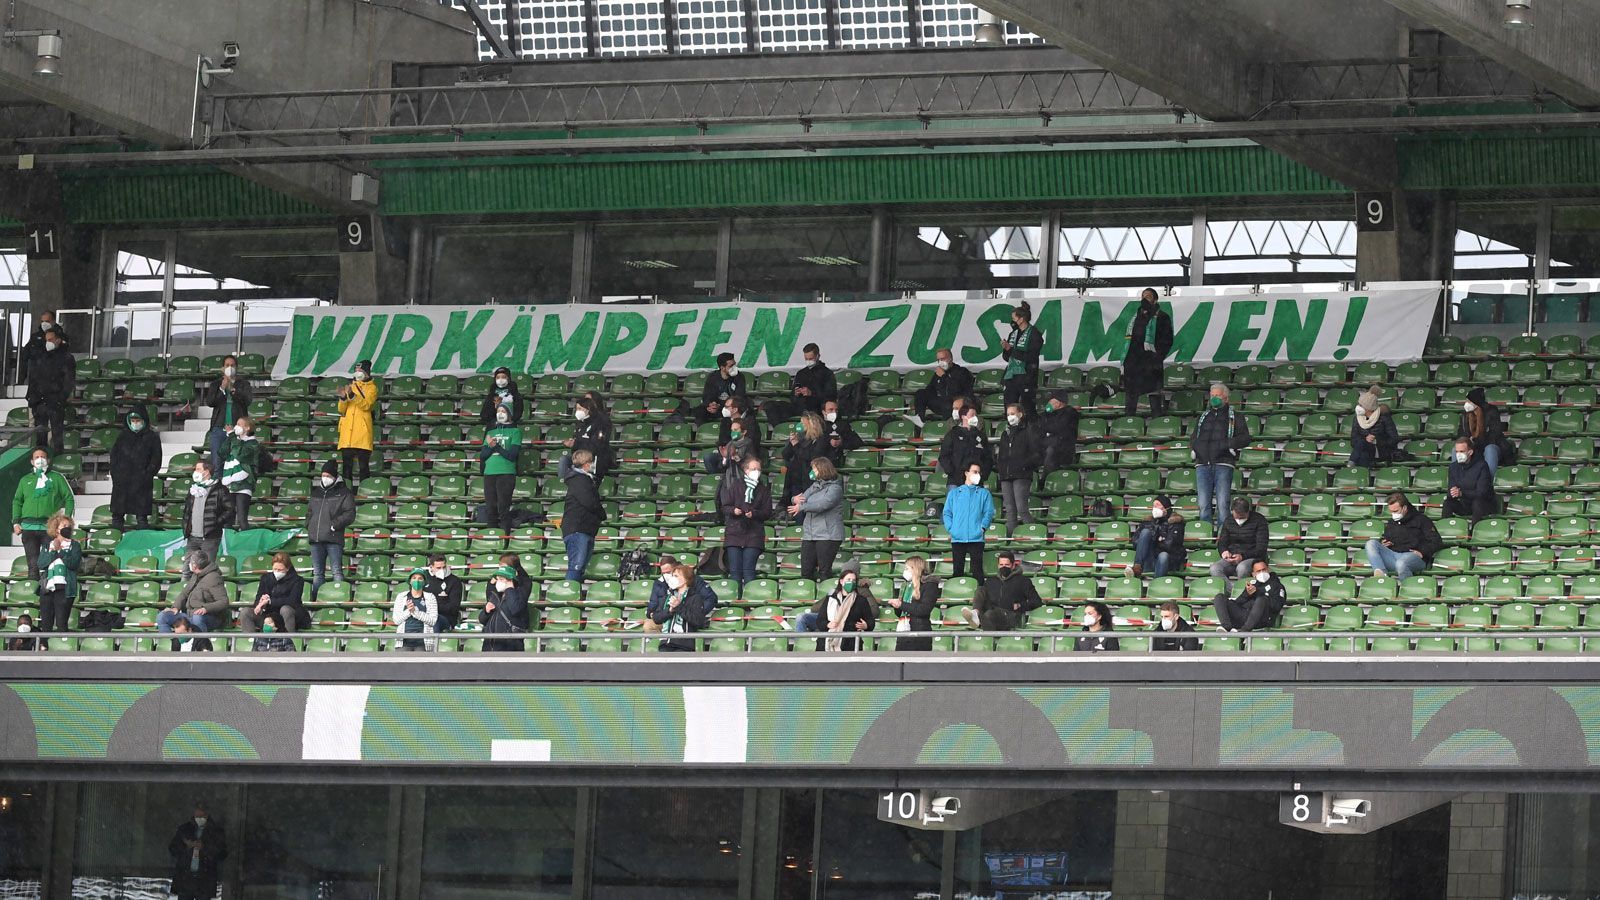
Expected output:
(1139, 863)
(376, 276)
(1421, 246)
(1477, 861)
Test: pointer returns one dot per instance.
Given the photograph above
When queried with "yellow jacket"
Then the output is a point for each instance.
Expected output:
(355, 416)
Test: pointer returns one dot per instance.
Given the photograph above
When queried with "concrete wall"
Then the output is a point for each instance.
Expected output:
(1477, 862)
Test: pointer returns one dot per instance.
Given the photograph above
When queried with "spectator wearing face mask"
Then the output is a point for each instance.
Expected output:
(243, 461)
(503, 392)
(1409, 541)
(814, 383)
(229, 398)
(1158, 541)
(52, 379)
(135, 460)
(448, 589)
(1169, 624)
(1097, 627)
(1480, 424)
(806, 444)
(582, 514)
(203, 598)
(1214, 444)
(913, 604)
(1057, 428)
(502, 444)
(593, 433)
(197, 850)
(734, 410)
(1004, 600)
(666, 565)
(723, 384)
(1374, 439)
(206, 511)
(950, 382)
(415, 611)
(1016, 460)
(331, 510)
(357, 400)
(58, 580)
(968, 512)
(963, 447)
(849, 609)
(1471, 487)
(24, 626)
(505, 611)
(840, 437)
(1241, 541)
(34, 348)
(822, 528)
(746, 505)
(1257, 605)
(741, 442)
(40, 495)
(1149, 344)
(280, 599)
(686, 609)
(1021, 350)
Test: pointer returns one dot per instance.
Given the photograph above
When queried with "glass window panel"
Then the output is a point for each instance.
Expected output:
(786, 25)
(711, 26)
(501, 264)
(498, 842)
(632, 28)
(864, 858)
(22, 838)
(663, 844)
(553, 29)
(783, 256)
(124, 831)
(872, 24)
(967, 255)
(322, 841)
(654, 260)
(947, 22)
(1064, 843)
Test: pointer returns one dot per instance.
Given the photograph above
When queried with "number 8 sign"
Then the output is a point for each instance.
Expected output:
(355, 234)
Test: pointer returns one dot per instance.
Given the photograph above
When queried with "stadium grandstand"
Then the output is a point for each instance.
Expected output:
(800, 449)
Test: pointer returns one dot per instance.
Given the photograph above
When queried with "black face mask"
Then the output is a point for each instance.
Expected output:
(1004, 571)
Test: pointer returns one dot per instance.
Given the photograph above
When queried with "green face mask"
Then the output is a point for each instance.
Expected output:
(848, 584)
(799, 428)
(416, 584)
(735, 433)
(1216, 402)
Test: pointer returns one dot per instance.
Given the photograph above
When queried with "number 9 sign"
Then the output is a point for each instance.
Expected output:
(355, 234)
(1374, 211)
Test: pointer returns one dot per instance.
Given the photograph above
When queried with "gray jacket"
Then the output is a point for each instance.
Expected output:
(203, 593)
(824, 509)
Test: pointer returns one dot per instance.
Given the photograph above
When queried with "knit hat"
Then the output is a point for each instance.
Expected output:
(502, 370)
(506, 572)
(851, 567)
(1477, 396)
(199, 558)
(1165, 501)
(365, 364)
(1369, 400)
(331, 467)
(1065, 396)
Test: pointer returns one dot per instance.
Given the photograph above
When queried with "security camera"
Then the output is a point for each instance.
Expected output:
(230, 54)
(945, 806)
(1343, 809)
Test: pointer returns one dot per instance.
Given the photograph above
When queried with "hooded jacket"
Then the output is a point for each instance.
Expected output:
(204, 593)
(961, 448)
(1018, 455)
(1143, 363)
(1381, 427)
(330, 512)
(968, 512)
(1218, 436)
(824, 509)
(355, 415)
(1169, 537)
(508, 397)
(583, 511)
(135, 460)
(1414, 531)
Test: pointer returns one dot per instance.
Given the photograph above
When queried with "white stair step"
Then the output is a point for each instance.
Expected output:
(100, 487)
(84, 504)
(7, 404)
(9, 554)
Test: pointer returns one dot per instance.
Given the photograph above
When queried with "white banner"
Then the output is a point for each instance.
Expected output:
(1388, 326)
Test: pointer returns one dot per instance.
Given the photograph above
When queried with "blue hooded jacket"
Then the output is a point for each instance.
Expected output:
(968, 510)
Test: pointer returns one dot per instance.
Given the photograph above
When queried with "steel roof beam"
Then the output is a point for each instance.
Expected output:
(1558, 51)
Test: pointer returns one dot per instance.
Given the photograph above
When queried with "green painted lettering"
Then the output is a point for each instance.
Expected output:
(1188, 337)
(408, 334)
(1238, 330)
(669, 338)
(712, 336)
(566, 354)
(512, 351)
(622, 332)
(1048, 321)
(892, 316)
(460, 340)
(923, 348)
(319, 347)
(1097, 341)
(369, 341)
(989, 323)
(771, 339)
(1287, 328)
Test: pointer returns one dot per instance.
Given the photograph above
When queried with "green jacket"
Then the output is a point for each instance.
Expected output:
(71, 558)
(239, 468)
(501, 459)
(32, 507)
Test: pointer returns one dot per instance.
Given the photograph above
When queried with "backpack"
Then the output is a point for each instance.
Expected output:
(267, 462)
(635, 564)
(853, 400)
(1101, 509)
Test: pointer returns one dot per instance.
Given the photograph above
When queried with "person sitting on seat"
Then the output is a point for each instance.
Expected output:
(1158, 541)
(1374, 439)
(838, 434)
(950, 382)
(1098, 628)
(1480, 423)
(1242, 541)
(722, 385)
(1471, 485)
(1257, 606)
(815, 383)
(1408, 544)
(1004, 600)
(1058, 434)
(1171, 623)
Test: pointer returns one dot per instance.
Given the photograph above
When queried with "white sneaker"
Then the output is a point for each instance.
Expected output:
(970, 616)
(915, 420)
(1222, 629)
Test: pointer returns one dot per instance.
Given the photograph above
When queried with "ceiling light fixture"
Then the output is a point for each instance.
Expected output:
(47, 52)
(1519, 15)
(830, 260)
(649, 264)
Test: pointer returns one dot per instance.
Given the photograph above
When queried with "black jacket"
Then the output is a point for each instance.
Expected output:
(1494, 432)
(213, 850)
(1218, 436)
(719, 389)
(1273, 593)
(944, 389)
(216, 398)
(1473, 478)
(1095, 641)
(447, 592)
(286, 591)
(961, 448)
(512, 398)
(594, 435)
(1388, 436)
(1414, 531)
(1143, 363)
(52, 377)
(1004, 603)
(1058, 437)
(1029, 356)
(1169, 538)
(510, 616)
(330, 511)
(797, 459)
(745, 531)
(848, 439)
(1019, 452)
(819, 378)
(1164, 640)
(920, 612)
(1248, 540)
(135, 460)
(583, 512)
(218, 509)
(693, 612)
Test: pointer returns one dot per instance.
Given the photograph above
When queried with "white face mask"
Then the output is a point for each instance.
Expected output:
(1168, 624)
(240, 430)
(727, 413)
(229, 371)
(1397, 516)
(674, 582)
(908, 576)
(972, 422)
(1359, 410)
(1239, 520)
(830, 417)
(278, 573)
(41, 465)
(1013, 419)
(733, 371)
(753, 476)
(200, 821)
(328, 480)
(136, 427)
(1462, 458)
(1468, 406)
(441, 573)
(941, 365)
(362, 376)
(502, 382)
(199, 477)
(24, 628)
(502, 586)
(51, 345)
(581, 415)
(1262, 577)
(1158, 512)
(503, 417)
(1090, 619)
(974, 477)
(955, 415)
(811, 362)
